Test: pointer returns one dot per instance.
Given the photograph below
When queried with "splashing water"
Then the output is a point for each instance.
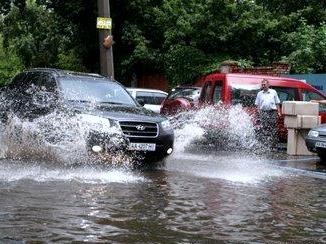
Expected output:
(15, 171)
(229, 128)
(60, 137)
(56, 137)
(234, 167)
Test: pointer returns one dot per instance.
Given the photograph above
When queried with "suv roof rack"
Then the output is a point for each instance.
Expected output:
(66, 72)
(60, 72)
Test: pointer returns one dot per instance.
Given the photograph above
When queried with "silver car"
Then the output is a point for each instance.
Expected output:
(316, 141)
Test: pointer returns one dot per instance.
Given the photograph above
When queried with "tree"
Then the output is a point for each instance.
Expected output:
(39, 37)
(313, 11)
(76, 22)
(10, 64)
(180, 38)
(307, 46)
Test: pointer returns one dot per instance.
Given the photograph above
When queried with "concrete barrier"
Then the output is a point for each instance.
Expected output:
(299, 118)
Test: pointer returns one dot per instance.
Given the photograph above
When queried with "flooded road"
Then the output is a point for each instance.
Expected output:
(194, 198)
(58, 195)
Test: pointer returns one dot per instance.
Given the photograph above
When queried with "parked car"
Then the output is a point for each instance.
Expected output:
(180, 98)
(150, 98)
(99, 101)
(316, 141)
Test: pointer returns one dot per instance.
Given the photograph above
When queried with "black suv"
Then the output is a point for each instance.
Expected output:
(96, 100)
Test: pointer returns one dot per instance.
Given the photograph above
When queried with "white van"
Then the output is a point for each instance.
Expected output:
(150, 98)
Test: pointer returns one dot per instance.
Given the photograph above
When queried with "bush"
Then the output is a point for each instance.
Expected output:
(10, 64)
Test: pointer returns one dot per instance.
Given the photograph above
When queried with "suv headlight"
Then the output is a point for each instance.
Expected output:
(166, 125)
(313, 133)
(95, 120)
(98, 123)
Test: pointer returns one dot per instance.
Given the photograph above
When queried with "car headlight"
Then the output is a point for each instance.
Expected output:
(95, 120)
(313, 133)
(100, 124)
(166, 124)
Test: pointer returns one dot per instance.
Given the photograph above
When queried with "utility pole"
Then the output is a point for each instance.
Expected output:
(106, 51)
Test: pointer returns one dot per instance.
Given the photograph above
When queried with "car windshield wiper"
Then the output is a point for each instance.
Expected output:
(80, 101)
(99, 103)
(110, 103)
(95, 102)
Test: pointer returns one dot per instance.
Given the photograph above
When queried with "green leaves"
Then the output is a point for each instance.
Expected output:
(183, 64)
(179, 38)
(10, 64)
(32, 35)
(307, 47)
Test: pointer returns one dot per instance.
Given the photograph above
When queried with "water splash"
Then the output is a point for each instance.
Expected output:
(61, 137)
(233, 167)
(56, 137)
(213, 127)
(43, 172)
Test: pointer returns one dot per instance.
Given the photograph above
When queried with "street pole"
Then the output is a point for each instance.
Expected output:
(106, 54)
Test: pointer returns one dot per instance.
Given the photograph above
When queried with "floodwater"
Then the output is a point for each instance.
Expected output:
(230, 198)
(202, 197)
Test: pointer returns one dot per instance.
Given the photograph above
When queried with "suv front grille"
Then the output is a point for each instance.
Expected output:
(139, 129)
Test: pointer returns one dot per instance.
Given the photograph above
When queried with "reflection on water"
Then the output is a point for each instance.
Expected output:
(205, 201)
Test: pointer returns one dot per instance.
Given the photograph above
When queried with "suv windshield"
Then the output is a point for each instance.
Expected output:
(191, 93)
(94, 90)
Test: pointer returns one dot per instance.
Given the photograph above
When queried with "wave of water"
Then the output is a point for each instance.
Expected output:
(15, 171)
(228, 128)
(56, 137)
(61, 137)
(233, 167)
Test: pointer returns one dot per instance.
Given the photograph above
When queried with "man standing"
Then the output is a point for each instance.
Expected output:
(268, 104)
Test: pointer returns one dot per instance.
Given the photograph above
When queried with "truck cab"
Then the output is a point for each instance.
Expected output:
(231, 89)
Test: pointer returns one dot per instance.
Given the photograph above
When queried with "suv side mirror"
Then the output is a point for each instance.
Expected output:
(140, 101)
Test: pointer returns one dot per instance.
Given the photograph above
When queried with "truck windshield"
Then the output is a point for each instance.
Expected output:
(81, 89)
(312, 96)
(244, 94)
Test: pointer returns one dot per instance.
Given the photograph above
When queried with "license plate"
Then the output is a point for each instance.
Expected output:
(320, 144)
(142, 146)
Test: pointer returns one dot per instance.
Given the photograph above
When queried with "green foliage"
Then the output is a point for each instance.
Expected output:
(183, 64)
(139, 38)
(35, 35)
(32, 33)
(143, 53)
(69, 60)
(307, 47)
(179, 38)
(75, 25)
(313, 11)
(10, 64)
(213, 62)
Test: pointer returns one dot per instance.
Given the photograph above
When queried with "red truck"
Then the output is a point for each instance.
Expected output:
(231, 89)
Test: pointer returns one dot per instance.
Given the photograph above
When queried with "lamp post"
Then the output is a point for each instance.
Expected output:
(105, 38)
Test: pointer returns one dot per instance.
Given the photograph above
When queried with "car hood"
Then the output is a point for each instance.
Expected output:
(121, 113)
